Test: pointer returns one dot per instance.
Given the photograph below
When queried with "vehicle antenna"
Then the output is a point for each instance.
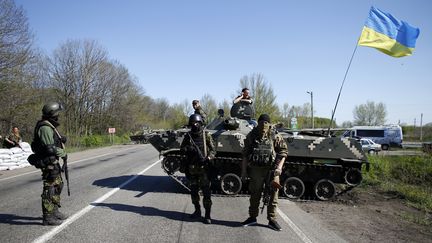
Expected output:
(340, 90)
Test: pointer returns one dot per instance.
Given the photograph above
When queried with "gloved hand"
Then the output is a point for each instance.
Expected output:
(63, 139)
(64, 158)
(243, 175)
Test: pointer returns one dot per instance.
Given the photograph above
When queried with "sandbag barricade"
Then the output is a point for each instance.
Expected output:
(16, 157)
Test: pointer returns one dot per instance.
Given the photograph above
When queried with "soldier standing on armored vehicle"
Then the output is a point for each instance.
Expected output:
(200, 150)
(48, 147)
(199, 111)
(263, 157)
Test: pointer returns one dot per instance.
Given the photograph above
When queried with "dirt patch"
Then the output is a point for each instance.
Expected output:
(372, 216)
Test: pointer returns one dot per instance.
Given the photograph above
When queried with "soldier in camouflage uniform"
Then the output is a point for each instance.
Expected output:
(264, 150)
(14, 139)
(199, 111)
(48, 145)
(200, 150)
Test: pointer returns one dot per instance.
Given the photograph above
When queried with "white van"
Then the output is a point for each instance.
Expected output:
(387, 135)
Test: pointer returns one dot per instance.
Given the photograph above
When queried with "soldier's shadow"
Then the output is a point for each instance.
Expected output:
(152, 211)
(13, 219)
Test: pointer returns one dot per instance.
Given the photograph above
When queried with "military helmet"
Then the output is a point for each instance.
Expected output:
(195, 118)
(51, 109)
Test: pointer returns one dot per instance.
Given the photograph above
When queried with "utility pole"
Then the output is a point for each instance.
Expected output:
(311, 95)
(421, 127)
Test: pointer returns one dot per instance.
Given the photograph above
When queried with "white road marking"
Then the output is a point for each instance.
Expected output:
(50, 234)
(71, 163)
(294, 227)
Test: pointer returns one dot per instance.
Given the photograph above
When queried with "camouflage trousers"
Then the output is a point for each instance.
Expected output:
(52, 188)
(256, 186)
(198, 179)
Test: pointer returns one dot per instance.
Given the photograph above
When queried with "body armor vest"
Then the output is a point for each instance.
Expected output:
(198, 139)
(37, 146)
(262, 153)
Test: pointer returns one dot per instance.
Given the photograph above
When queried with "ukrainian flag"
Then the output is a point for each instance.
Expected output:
(388, 34)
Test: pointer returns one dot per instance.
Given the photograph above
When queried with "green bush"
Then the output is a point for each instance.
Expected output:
(409, 176)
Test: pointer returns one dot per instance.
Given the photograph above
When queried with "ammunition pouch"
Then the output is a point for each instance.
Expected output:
(51, 172)
(41, 162)
(258, 158)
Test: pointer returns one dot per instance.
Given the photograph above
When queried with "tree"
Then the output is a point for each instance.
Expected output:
(18, 68)
(370, 114)
(15, 40)
(208, 103)
(262, 94)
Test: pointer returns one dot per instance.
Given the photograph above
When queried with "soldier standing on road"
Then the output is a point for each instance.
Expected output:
(263, 152)
(48, 145)
(200, 150)
(199, 111)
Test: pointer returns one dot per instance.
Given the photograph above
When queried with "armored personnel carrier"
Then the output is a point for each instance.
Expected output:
(228, 134)
(315, 160)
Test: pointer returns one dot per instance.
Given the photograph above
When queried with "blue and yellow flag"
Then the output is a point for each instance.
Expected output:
(388, 34)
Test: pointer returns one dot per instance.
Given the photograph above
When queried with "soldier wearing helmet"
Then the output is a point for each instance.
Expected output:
(199, 149)
(48, 146)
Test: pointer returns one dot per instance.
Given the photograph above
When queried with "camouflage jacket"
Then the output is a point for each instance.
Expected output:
(203, 115)
(280, 148)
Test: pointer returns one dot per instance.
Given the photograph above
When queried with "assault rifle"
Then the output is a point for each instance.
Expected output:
(66, 171)
(271, 184)
(195, 146)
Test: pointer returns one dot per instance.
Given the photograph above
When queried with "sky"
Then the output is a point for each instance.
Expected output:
(183, 50)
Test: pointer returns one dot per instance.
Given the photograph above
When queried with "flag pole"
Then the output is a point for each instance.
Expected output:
(340, 90)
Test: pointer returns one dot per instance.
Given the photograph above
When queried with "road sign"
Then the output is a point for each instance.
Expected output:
(111, 130)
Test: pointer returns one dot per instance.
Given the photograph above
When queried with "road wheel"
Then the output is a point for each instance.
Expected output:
(324, 189)
(231, 184)
(353, 177)
(293, 188)
(385, 147)
(170, 165)
(371, 152)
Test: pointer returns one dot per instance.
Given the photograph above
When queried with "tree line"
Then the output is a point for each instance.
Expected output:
(99, 92)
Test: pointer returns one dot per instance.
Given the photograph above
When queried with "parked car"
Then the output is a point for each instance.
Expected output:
(370, 146)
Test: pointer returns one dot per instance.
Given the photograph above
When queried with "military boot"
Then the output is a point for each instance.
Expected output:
(59, 215)
(207, 218)
(197, 213)
(50, 219)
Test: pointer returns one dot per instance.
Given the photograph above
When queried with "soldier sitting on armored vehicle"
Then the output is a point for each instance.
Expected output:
(244, 96)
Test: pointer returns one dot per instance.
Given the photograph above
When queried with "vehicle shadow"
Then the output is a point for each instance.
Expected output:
(152, 211)
(13, 219)
(142, 184)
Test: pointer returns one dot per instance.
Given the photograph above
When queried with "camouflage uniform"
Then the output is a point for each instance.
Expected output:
(197, 168)
(258, 172)
(200, 111)
(14, 140)
(45, 135)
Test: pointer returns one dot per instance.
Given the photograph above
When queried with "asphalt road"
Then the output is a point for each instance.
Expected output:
(121, 194)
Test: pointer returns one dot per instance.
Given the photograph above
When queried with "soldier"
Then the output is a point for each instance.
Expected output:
(48, 145)
(264, 151)
(199, 111)
(13, 139)
(244, 96)
(200, 150)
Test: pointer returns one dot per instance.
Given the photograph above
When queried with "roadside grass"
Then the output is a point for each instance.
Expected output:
(96, 141)
(410, 177)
